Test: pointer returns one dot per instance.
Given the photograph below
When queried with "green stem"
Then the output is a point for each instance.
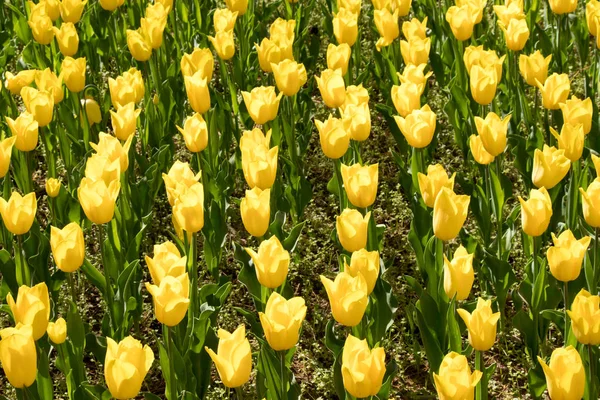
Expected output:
(22, 262)
(172, 378)
(340, 183)
(283, 374)
(566, 300)
(592, 373)
(482, 385)
(72, 287)
(109, 287)
(499, 209)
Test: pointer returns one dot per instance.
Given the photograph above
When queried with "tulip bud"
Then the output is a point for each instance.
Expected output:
(171, 299)
(480, 154)
(152, 29)
(52, 187)
(68, 247)
(555, 90)
(224, 19)
(415, 51)
(334, 136)
(256, 211)
(124, 121)
(536, 212)
(357, 118)
(481, 325)
(338, 57)
(41, 28)
(18, 212)
(347, 296)
(345, 26)
(565, 376)
(233, 358)
(195, 133)
(18, 355)
(566, 256)
(25, 129)
(387, 26)
(67, 38)
(127, 355)
(14, 83)
(592, 10)
(360, 183)
(415, 28)
(197, 91)
(449, 214)
(71, 10)
(562, 6)
(122, 92)
(352, 229)
(110, 147)
(138, 45)
(483, 84)
(239, 6)
(98, 200)
(198, 60)
(576, 111)
(431, 184)
(189, 208)
(516, 34)
(407, 98)
(570, 140)
(271, 262)
(461, 21)
(414, 74)
(282, 320)
(92, 111)
(590, 201)
(111, 5)
(40, 104)
(259, 163)
(167, 261)
(492, 131)
(585, 317)
(224, 44)
(458, 274)
(73, 72)
(262, 104)
(180, 173)
(365, 263)
(362, 369)
(454, 380)
(418, 127)
(6, 147)
(550, 166)
(31, 308)
(268, 53)
(534, 67)
(57, 331)
(332, 87)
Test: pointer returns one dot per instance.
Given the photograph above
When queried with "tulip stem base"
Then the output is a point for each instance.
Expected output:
(566, 300)
(282, 355)
(592, 372)
(481, 391)
(168, 333)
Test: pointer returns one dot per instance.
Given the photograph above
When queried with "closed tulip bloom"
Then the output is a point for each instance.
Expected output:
(71, 10)
(365, 263)
(334, 136)
(136, 82)
(332, 87)
(98, 200)
(224, 19)
(536, 212)
(352, 229)
(233, 358)
(188, 209)
(348, 297)
(565, 375)
(47, 80)
(18, 212)
(516, 34)
(387, 26)
(18, 355)
(414, 74)
(555, 90)
(283, 28)
(122, 92)
(431, 184)
(262, 104)
(67, 38)
(415, 28)
(138, 45)
(454, 380)
(239, 6)
(415, 51)
(585, 317)
(407, 98)
(566, 256)
(68, 247)
(592, 10)
(111, 147)
(223, 44)
(198, 60)
(14, 83)
(356, 95)
(510, 10)
(197, 91)
(362, 369)
(570, 140)
(52, 8)
(534, 67)
(124, 121)
(268, 53)
(590, 201)
(352, 5)
(31, 308)
(290, 76)
(550, 166)
(475, 6)
(345, 26)
(449, 214)
(167, 261)
(271, 262)
(41, 28)
(282, 321)
(125, 367)
(152, 29)
(483, 82)
(25, 129)
(379, 4)
(492, 131)
(195, 133)
(476, 55)
(481, 324)
(418, 127)
(73, 72)
(458, 274)
(256, 211)
(52, 187)
(92, 110)
(338, 57)
(166, 4)
(260, 166)
(403, 7)
(562, 6)
(480, 154)
(360, 183)
(170, 298)
(576, 111)
(39, 104)
(111, 5)
(6, 147)
(358, 120)
(57, 331)
(461, 21)
(250, 140)
(181, 174)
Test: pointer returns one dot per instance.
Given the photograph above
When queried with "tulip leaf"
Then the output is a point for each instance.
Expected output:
(537, 381)
(43, 380)
(7, 272)
(430, 343)
(391, 369)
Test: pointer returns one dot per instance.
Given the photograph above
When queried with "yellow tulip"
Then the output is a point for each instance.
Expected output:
(282, 320)
(40, 104)
(259, 165)
(73, 72)
(585, 317)
(461, 21)
(332, 87)
(362, 369)
(188, 209)
(449, 214)
(250, 140)
(454, 380)
(536, 212)
(31, 308)
(290, 76)
(128, 355)
(67, 38)
(25, 129)
(195, 133)
(18, 355)
(167, 261)
(198, 60)
(555, 90)
(52, 187)
(407, 98)
(590, 201)
(334, 136)
(379, 4)
(110, 147)
(458, 274)
(124, 121)
(481, 324)
(365, 263)
(122, 91)
(71, 10)
(480, 154)
(152, 30)
(345, 26)
(355, 95)
(360, 183)
(283, 28)
(403, 7)
(415, 28)
(476, 55)
(256, 211)
(483, 82)
(268, 53)
(167, 5)
(513, 9)
(351, 5)
(98, 200)
(347, 296)
(596, 162)
(224, 44)
(492, 131)
(197, 91)
(6, 147)
(415, 51)
(387, 26)
(271, 262)
(431, 184)
(18, 212)
(358, 120)
(170, 298)
(14, 83)
(138, 45)
(52, 8)
(111, 5)
(476, 8)
(570, 140)
(47, 80)
(565, 375)
(352, 229)
(338, 57)
(262, 104)
(418, 127)
(562, 6)
(68, 247)
(534, 67)
(414, 74)
(180, 174)
(92, 110)
(100, 167)
(550, 166)
(233, 358)
(239, 6)
(576, 111)
(592, 10)
(224, 19)
(516, 34)
(41, 28)
(566, 256)
(57, 331)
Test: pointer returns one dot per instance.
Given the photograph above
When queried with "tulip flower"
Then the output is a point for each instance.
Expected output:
(6, 147)
(197, 91)
(476, 55)
(171, 298)
(152, 30)
(386, 23)
(534, 67)
(348, 297)
(403, 6)
(360, 183)
(290, 76)
(233, 357)
(431, 184)
(14, 83)
(283, 28)
(188, 208)
(18, 355)
(57, 331)
(250, 140)
(562, 6)
(262, 104)
(406, 99)
(195, 133)
(352, 229)
(138, 45)
(492, 131)
(357, 119)
(585, 317)
(256, 211)
(73, 72)
(128, 355)
(99, 167)
(481, 324)
(480, 154)
(550, 166)
(198, 60)
(414, 74)
(566, 256)
(355, 95)
(458, 274)
(282, 320)
(461, 21)
(516, 34)
(122, 92)
(25, 129)
(268, 53)
(415, 51)
(362, 369)
(40, 104)
(260, 166)
(345, 26)
(351, 5)
(167, 261)
(67, 38)
(476, 8)
(565, 375)
(110, 147)
(449, 214)
(52, 8)
(71, 10)
(47, 80)
(239, 6)
(570, 140)
(513, 9)
(31, 308)
(555, 90)
(111, 5)
(181, 174)
(224, 19)
(92, 110)
(271, 262)
(334, 136)
(224, 44)
(124, 121)
(418, 127)
(415, 28)
(596, 162)
(365, 263)
(592, 10)
(332, 87)
(18, 212)
(590, 201)
(41, 28)
(576, 111)
(52, 187)
(338, 57)
(454, 380)
(536, 212)
(98, 200)
(483, 82)
(68, 247)
(167, 6)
